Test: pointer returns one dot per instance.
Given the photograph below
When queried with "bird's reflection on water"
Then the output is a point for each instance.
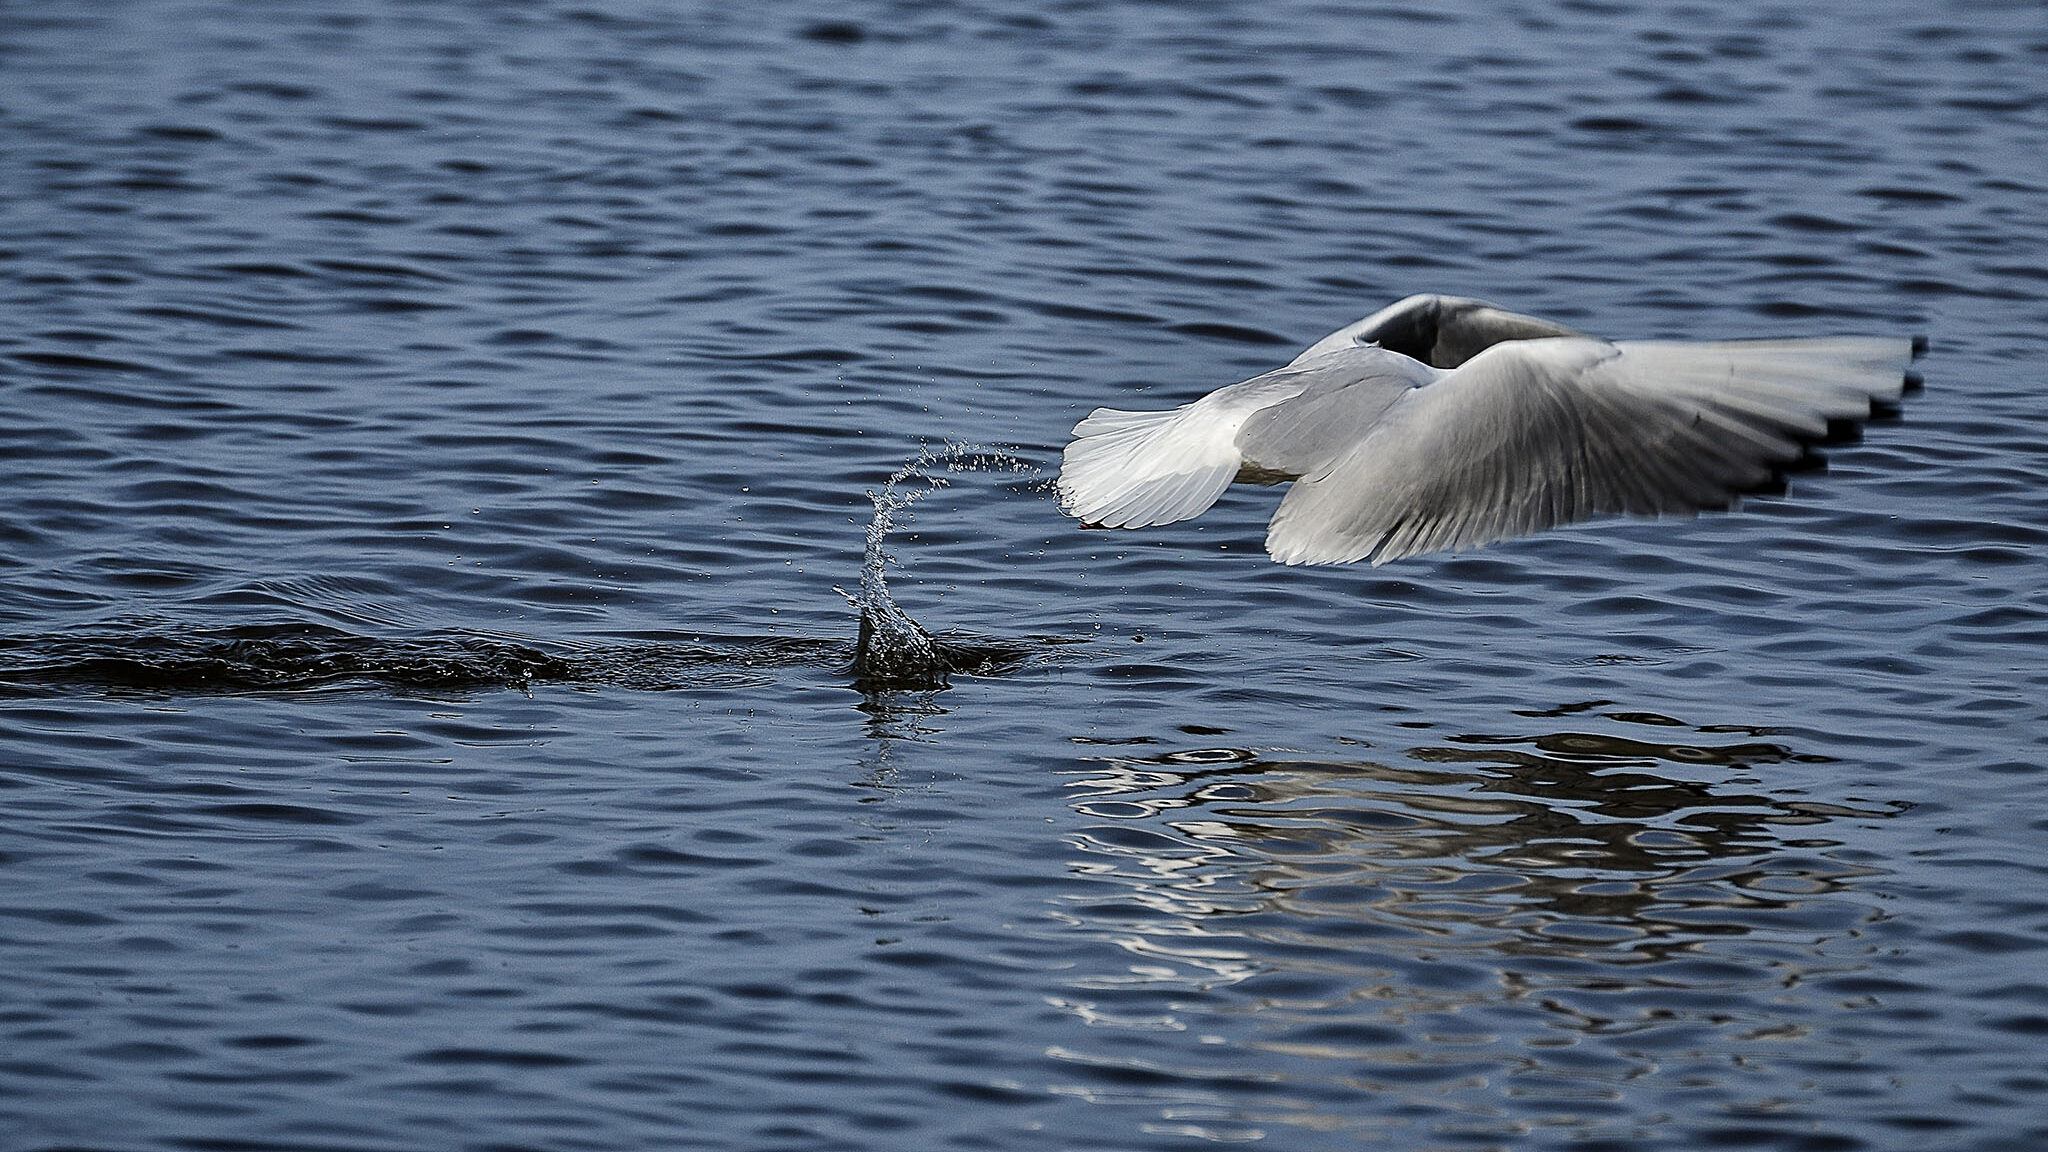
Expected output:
(1483, 928)
(1569, 843)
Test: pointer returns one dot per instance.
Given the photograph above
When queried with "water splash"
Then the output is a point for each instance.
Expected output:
(894, 651)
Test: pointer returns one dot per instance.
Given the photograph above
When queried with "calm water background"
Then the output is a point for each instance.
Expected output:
(434, 431)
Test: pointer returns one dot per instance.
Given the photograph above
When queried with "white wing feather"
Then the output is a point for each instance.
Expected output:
(1535, 433)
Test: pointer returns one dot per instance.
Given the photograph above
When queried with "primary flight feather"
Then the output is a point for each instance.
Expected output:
(1446, 423)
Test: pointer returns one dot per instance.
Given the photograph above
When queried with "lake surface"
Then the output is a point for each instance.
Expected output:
(435, 433)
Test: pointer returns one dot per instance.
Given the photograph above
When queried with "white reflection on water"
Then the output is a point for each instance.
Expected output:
(1489, 924)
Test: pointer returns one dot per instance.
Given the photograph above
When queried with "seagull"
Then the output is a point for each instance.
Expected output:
(1445, 423)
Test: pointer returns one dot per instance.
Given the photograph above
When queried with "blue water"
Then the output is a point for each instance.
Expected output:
(435, 432)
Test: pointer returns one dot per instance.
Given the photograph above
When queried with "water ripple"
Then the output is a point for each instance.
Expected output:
(435, 433)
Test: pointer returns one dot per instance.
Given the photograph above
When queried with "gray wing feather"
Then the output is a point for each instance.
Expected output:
(1347, 392)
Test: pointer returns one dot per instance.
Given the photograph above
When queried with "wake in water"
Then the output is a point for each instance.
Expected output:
(155, 657)
(894, 651)
(270, 657)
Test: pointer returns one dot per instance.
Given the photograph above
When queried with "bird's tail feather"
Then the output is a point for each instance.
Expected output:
(1133, 469)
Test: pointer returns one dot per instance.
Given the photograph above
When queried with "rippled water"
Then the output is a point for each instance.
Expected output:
(436, 432)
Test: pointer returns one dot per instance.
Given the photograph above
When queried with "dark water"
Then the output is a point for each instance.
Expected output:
(435, 432)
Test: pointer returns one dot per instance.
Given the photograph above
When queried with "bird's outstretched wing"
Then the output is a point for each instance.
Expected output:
(1530, 434)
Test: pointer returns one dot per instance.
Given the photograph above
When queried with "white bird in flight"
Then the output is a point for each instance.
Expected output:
(1446, 423)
